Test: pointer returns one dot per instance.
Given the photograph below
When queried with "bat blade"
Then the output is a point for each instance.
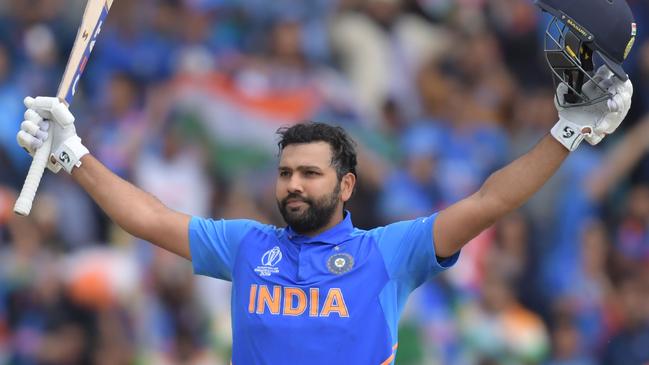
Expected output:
(93, 18)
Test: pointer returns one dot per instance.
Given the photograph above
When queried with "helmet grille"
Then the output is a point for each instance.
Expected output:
(571, 61)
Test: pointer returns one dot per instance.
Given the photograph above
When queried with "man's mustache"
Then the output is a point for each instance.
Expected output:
(294, 196)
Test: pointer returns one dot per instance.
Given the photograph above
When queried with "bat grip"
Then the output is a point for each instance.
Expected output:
(24, 203)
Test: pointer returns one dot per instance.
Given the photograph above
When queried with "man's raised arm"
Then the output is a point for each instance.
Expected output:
(504, 191)
(510, 187)
(137, 212)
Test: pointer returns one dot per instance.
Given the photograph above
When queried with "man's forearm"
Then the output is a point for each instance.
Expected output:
(136, 211)
(504, 191)
(510, 187)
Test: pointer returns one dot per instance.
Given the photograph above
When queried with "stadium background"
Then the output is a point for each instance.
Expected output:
(183, 98)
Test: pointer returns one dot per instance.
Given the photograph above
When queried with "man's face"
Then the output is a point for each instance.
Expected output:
(308, 191)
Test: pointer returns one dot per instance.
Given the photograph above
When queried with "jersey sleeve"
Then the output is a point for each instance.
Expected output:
(214, 245)
(408, 250)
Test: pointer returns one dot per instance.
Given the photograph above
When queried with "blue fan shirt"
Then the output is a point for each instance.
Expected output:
(335, 298)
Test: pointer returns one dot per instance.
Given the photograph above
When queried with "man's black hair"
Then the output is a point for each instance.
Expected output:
(343, 150)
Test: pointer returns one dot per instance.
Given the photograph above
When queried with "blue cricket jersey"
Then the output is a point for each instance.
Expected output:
(331, 299)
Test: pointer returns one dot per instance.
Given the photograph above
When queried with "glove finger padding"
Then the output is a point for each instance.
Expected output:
(32, 115)
(618, 106)
(614, 105)
(50, 108)
(32, 132)
(603, 72)
(35, 125)
(41, 105)
(626, 90)
(33, 129)
(600, 85)
(28, 142)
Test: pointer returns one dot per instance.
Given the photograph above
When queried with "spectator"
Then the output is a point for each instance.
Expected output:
(624, 348)
(566, 344)
(498, 328)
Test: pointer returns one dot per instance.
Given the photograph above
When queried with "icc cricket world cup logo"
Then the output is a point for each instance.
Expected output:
(269, 262)
(272, 257)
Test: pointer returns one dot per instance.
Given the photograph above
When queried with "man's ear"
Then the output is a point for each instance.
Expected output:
(347, 184)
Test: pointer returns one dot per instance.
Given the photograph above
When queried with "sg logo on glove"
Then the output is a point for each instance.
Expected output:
(64, 158)
(568, 132)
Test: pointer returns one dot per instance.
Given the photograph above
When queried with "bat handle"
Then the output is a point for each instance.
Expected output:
(24, 203)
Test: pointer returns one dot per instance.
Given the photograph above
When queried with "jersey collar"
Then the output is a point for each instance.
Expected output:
(333, 236)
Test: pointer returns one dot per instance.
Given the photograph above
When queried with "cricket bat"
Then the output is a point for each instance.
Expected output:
(93, 17)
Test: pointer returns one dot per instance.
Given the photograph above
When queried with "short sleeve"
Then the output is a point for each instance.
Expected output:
(408, 250)
(214, 245)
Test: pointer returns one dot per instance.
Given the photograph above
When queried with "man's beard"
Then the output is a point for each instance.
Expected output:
(316, 215)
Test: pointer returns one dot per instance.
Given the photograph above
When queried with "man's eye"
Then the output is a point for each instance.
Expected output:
(311, 173)
(284, 173)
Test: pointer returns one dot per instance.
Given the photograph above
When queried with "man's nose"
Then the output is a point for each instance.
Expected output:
(295, 184)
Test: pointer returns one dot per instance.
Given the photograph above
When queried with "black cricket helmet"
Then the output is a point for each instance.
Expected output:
(580, 31)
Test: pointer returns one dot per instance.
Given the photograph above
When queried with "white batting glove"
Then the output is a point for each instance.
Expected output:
(593, 122)
(67, 149)
(619, 106)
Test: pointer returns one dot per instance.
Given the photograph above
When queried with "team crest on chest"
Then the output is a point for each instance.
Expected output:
(269, 261)
(340, 263)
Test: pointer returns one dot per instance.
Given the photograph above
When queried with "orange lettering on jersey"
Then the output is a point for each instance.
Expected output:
(295, 301)
(253, 296)
(334, 303)
(314, 302)
(265, 299)
(289, 295)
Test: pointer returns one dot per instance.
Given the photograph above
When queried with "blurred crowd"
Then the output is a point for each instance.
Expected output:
(183, 97)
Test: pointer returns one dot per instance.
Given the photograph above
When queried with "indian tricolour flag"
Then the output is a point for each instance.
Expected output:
(240, 123)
